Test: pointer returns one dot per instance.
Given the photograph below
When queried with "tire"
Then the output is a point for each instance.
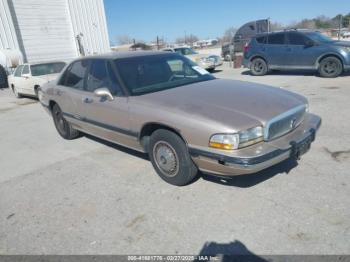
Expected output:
(170, 158)
(36, 91)
(330, 67)
(16, 93)
(3, 77)
(258, 67)
(62, 126)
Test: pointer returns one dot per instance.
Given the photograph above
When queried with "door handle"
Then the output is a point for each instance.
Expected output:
(88, 100)
(289, 49)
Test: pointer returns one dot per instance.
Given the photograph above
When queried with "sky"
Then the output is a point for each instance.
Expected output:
(145, 19)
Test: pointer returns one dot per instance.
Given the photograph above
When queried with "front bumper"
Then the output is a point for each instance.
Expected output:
(260, 156)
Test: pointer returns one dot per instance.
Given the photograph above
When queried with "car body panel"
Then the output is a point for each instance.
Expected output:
(194, 111)
(290, 56)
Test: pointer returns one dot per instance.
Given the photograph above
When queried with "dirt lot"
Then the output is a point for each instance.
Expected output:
(89, 197)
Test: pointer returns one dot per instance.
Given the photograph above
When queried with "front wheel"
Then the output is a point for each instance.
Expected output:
(63, 127)
(258, 67)
(170, 158)
(330, 67)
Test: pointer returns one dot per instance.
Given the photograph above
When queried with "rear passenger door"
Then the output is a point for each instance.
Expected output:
(275, 50)
(69, 93)
(105, 118)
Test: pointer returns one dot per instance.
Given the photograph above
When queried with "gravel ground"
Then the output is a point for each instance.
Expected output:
(90, 197)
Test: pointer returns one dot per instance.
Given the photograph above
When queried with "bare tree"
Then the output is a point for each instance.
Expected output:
(274, 26)
(124, 39)
(229, 34)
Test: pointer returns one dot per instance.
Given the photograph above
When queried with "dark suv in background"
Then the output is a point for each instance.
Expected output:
(297, 49)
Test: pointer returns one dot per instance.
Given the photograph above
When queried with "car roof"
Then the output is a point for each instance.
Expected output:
(286, 30)
(124, 54)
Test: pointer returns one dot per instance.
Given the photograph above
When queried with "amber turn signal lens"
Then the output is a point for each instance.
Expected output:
(221, 146)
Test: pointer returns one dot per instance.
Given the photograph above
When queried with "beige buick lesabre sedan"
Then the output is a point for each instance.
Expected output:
(165, 105)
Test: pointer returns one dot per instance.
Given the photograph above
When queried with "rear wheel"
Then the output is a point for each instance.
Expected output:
(64, 128)
(15, 91)
(170, 158)
(330, 67)
(258, 67)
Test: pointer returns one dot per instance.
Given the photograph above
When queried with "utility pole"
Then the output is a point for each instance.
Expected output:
(340, 25)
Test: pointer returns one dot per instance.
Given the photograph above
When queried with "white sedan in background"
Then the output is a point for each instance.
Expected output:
(208, 62)
(27, 78)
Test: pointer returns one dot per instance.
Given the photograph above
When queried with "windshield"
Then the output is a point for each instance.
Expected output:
(185, 51)
(47, 69)
(319, 37)
(147, 74)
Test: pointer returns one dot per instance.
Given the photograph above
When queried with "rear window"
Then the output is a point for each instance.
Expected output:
(276, 39)
(47, 69)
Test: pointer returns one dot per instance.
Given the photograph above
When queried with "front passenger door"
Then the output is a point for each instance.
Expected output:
(106, 118)
(303, 52)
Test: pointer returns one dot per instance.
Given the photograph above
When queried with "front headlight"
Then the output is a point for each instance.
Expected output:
(235, 141)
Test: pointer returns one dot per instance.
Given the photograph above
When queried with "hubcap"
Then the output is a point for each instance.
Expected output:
(330, 67)
(258, 66)
(166, 158)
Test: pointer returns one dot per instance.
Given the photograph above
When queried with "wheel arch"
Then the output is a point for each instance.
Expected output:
(148, 128)
(320, 58)
(259, 56)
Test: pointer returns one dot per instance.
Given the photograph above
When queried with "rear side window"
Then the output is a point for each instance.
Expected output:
(74, 76)
(261, 39)
(25, 70)
(296, 38)
(276, 39)
(18, 71)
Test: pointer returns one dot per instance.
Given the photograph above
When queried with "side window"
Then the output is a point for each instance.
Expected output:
(97, 76)
(276, 39)
(296, 39)
(18, 71)
(114, 86)
(25, 70)
(74, 76)
(261, 39)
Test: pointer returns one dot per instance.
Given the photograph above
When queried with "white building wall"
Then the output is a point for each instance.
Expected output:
(89, 20)
(43, 29)
(8, 38)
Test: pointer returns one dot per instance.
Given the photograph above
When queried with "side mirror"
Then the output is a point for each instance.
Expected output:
(104, 93)
(26, 75)
(309, 43)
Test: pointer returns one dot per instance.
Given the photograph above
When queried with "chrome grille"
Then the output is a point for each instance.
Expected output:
(284, 123)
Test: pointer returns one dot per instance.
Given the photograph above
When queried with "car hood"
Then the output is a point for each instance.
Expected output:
(342, 43)
(197, 57)
(235, 104)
